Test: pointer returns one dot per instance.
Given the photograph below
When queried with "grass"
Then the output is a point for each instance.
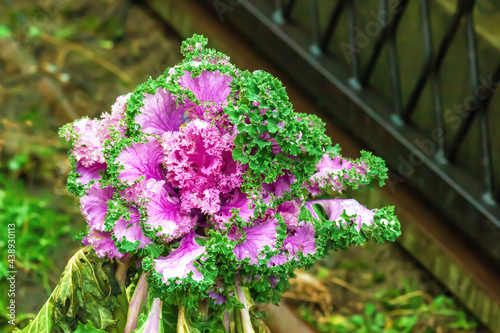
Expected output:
(389, 310)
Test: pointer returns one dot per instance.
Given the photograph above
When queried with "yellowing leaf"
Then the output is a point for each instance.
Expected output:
(86, 292)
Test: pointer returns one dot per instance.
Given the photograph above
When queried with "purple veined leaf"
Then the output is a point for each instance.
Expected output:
(217, 293)
(281, 185)
(146, 189)
(94, 205)
(131, 231)
(257, 238)
(217, 297)
(180, 262)
(166, 215)
(161, 113)
(89, 173)
(236, 200)
(290, 210)
(335, 207)
(104, 245)
(88, 136)
(141, 159)
(301, 240)
(208, 86)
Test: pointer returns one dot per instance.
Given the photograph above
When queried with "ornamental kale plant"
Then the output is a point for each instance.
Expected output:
(203, 191)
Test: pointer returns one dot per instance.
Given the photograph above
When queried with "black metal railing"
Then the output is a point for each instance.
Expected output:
(430, 70)
(303, 48)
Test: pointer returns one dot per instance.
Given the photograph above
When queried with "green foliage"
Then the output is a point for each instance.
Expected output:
(407, 312)
(86, 292)
(44, 321)
(4, 31)
(41, 227)
(32, 198)
(374, 173)
(87, 328)
(169, 317)
(259, 97)
(335, 235)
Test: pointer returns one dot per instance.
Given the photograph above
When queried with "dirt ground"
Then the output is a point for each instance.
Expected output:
(61, 60)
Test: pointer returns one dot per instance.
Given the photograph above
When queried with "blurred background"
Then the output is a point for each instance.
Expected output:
(412, 81)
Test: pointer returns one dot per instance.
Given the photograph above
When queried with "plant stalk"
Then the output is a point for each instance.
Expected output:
(182, 325)
(226, 321)
(121, 273)
(136, 303)
(121, 312)
(238, 327)
(243, 297)
(204, 310)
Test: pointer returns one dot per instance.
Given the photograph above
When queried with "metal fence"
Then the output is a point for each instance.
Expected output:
(298, 35)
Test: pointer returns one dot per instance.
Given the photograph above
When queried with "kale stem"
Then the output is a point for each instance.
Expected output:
(182, 326)
(238, 327)
(231, 320)
(243, 297)
(138, 300)
(226, 321)
(204, 310)
(121, 273)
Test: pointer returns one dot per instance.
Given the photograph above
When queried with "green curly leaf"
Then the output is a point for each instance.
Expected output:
(340, 234)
